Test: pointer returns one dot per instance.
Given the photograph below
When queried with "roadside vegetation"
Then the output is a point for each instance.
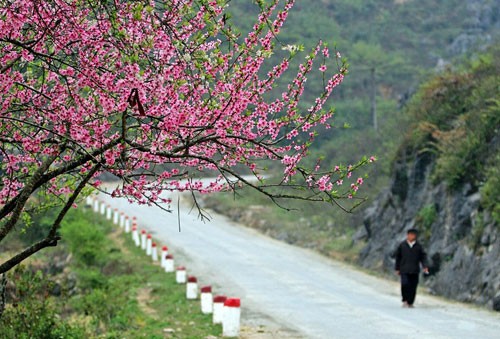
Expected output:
(97, 285)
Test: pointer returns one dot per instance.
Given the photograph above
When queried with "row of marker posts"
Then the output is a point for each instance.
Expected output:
(225, 311)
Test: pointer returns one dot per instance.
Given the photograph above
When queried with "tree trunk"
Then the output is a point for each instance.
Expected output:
(3, 293)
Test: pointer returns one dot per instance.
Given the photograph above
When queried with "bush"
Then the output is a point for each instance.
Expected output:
(33, 313)
(456, 116)
(85, 240)
(425, 218)
(490, 191)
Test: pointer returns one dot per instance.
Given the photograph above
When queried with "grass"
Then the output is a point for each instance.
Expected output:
(153, 301)
(166, 305)
(120, 292)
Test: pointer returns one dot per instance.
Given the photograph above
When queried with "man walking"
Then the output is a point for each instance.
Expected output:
(409, 256)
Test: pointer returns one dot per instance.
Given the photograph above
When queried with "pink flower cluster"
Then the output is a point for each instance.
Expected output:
(151, 94)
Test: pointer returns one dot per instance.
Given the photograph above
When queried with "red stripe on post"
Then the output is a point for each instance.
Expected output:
(143, 232)
(192, 279)
(169, 256)
(232, 302)
(153, 244)
(206, 289)
(164, 248)
(149, 236)
(181, 268)
(220, 299)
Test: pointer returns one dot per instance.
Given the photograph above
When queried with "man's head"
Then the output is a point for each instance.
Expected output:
(411, 235)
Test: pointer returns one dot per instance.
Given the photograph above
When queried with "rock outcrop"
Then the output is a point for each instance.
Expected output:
(462, 239)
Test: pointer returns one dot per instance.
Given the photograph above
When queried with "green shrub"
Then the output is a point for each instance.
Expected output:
(427, 215)
(85, 240)
(456, 116)
(490, 191)
(33, 314)
(425, 218)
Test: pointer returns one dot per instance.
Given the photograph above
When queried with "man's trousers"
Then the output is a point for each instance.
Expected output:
(409, 282)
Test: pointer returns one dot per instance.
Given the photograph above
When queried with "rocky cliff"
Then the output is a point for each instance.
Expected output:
(445, 182)
(462, 241)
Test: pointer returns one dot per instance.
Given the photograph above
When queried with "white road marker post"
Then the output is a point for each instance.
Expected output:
(127, 224)
(192, 288)
(149, 243)
(115, 216)
(231, 317)
(164, 253)
(218, 308)
(143, 239)
(122, 219)
(206, 300)
(135, 236)
(108, 212)
(169, 263)
(180, 275)
(154, 252)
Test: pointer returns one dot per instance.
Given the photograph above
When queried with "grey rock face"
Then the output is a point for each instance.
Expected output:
(461, 240)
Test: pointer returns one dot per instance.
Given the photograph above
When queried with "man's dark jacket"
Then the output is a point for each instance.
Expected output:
(408, 259)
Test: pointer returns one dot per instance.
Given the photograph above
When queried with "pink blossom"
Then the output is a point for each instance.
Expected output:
(143, 108)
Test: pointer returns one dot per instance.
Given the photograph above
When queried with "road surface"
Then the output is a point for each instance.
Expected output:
(299, 290)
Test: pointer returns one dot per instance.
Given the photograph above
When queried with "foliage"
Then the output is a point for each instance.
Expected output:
(85, 241)
(403, 40)
(427, 215)
(425, 218)
(157, 94)
(490, 191)
(110, 286)
(456, 116)
(33, 315)
(106, 301)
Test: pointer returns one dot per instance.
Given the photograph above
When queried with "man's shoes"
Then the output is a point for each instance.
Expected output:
(411, 306)
(405, 304)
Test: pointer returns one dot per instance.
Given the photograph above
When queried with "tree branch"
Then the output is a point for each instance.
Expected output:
(23, 196)
(8, 207)
(52, 237)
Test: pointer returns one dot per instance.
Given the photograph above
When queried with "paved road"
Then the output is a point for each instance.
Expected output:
(300, 290)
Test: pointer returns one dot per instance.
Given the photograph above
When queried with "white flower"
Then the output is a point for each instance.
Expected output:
(290, 48)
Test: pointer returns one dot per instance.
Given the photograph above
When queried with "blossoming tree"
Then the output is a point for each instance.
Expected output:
(157, 93)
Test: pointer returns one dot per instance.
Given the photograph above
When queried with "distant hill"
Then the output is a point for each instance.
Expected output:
(403, 40)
